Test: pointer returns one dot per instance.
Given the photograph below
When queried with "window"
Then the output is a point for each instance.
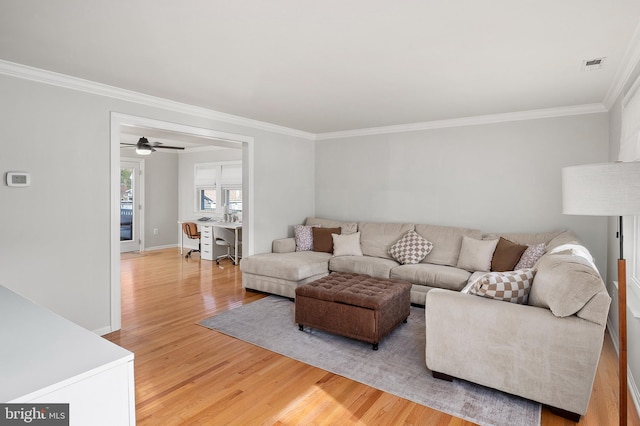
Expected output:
(205, 175)
(233, 198)
(218, 187)
(207, 199)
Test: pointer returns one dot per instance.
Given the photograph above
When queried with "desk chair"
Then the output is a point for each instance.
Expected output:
(226, 238)
(191, 231)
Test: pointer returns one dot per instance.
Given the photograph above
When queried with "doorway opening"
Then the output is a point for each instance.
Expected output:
(210, 136)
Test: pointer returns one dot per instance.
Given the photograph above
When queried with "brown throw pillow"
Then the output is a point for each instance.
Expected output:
(507, 255)
(322, 240)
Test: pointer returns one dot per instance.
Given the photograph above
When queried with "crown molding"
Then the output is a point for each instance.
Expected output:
(469, 121)
(56, 79)
(74, 83)
(630, 61)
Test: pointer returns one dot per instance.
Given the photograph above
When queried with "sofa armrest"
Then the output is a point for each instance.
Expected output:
(519, 349)
(283, 245)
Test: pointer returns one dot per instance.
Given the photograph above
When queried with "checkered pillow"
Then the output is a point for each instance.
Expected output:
(512, 286)
(411, 248)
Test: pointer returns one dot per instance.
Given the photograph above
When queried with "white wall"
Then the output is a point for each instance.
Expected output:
(503, 177)
(55, 235)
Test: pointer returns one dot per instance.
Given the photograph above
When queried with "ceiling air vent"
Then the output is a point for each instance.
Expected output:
(592, 64)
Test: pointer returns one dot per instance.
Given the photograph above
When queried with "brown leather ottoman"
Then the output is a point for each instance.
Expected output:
(353, 305)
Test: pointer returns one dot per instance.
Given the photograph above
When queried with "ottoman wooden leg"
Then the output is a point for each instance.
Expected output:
(375, 346)
(300, 327)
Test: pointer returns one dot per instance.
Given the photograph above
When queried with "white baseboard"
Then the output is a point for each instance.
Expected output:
(162, 247)
(102, 331)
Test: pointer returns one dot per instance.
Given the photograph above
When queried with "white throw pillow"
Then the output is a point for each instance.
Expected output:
(410, 249)
(476, 255)
(346, 244)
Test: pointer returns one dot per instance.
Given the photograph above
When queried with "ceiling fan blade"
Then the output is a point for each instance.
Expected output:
(168, 147)
(161, 145)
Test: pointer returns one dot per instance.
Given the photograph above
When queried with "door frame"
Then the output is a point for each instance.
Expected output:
(138, 209)
(216, 137)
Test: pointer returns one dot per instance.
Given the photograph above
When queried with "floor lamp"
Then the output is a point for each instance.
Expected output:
(610, 189)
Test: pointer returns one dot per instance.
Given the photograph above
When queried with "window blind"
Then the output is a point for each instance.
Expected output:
(205, 174)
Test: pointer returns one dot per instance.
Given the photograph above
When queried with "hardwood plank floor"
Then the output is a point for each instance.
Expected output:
(187, 374)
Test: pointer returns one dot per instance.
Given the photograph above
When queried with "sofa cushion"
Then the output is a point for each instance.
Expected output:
(446, 241)
(374, 266)
(346, 227)
(527, 238)
(566, 237)
(346, 245)
(476, 255)
(564, 283)
(377, 238)
(322, 239)
(293, 266)
(430, 275)
(506, 255)
(510, 286)
(411, 248)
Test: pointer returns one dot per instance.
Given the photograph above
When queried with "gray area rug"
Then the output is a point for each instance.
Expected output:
(398, 367)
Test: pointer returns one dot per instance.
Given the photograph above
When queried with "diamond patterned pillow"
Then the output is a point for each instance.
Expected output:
(512, 286)
(411, 248)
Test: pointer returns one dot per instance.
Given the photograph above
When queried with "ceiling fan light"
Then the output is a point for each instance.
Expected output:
(143, 150)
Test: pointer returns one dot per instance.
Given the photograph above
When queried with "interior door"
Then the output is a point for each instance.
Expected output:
(130, 206)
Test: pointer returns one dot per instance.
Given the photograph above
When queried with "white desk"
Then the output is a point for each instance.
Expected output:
(235, 226)
(45, 358)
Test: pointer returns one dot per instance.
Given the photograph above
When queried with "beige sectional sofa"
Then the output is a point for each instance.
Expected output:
(281, 271)
(546, 350)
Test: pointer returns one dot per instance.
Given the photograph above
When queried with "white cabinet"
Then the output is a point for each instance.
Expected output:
(207, 242)
(45, 358)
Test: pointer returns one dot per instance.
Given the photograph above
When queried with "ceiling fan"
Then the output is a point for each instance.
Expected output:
(143, 147)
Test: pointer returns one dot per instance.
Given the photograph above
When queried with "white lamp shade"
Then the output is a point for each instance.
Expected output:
(609, 189)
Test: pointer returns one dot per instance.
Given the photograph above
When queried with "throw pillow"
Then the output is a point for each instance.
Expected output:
(347, 244)
(322, 239)
(303, 237)
(512, 286)
(531, 256)
(411, 248)
(476, 255)
(507, 255)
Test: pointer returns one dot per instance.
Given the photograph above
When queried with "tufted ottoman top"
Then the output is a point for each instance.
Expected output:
(354, 289)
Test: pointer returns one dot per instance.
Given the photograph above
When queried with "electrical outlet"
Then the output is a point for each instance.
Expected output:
(155, 231)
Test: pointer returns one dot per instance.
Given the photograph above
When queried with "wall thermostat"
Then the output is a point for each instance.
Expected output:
(18, 179)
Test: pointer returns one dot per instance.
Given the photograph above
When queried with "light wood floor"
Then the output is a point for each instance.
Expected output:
(187, 374)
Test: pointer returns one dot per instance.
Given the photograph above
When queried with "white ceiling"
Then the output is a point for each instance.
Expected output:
(332, 65)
